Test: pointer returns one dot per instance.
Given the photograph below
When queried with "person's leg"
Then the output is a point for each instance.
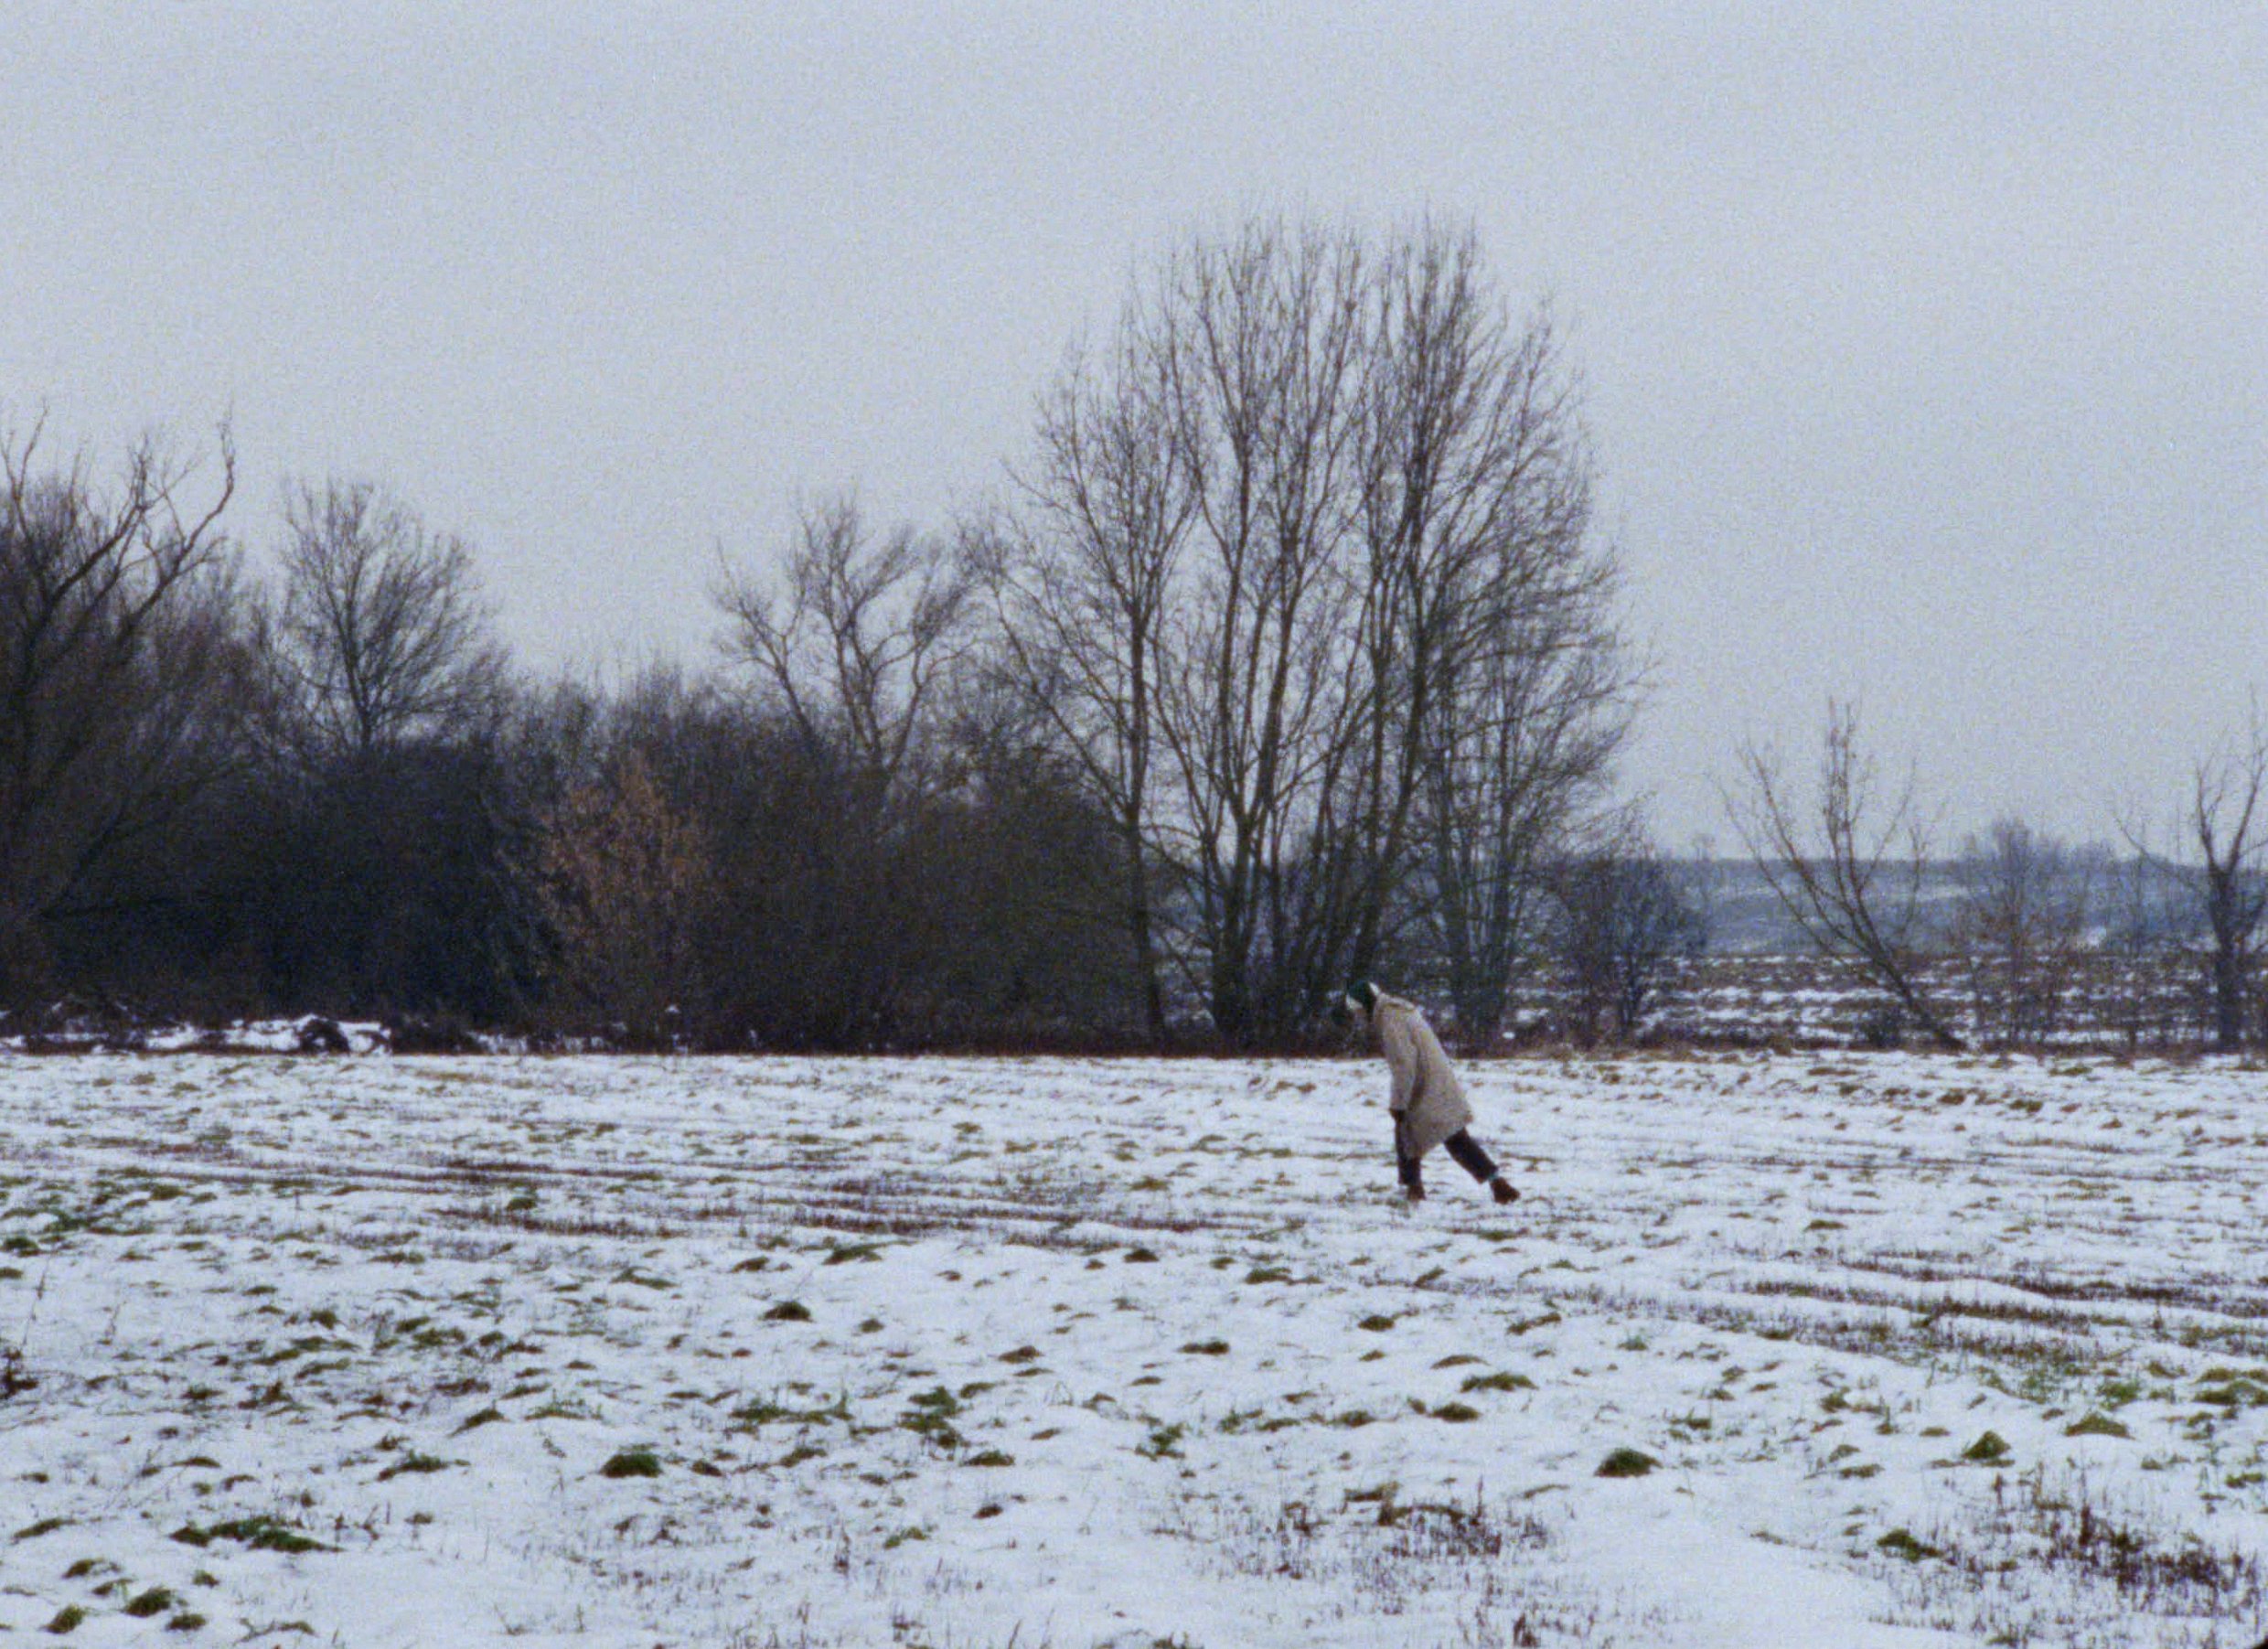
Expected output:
(1475, 1161)
(1406, 1165)
(1470, 1157)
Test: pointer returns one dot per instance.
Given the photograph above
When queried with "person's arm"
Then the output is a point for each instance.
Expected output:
(1401, 1062)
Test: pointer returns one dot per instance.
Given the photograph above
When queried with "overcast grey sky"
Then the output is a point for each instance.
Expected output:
(1927, 345)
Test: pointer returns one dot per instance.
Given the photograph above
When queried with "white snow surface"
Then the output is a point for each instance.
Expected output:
(1129, 1353)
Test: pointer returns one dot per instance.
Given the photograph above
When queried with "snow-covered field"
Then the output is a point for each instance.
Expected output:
(775, 1352)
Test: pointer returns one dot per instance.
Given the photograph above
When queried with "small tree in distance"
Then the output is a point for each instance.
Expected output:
(2228, 886)
(2020, 928)
(1626, 915)
(1848, 870)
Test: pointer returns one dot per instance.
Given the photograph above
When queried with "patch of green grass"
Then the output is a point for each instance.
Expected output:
(640, 1461)
(762, 1411)
(990, 1457)
(2097, 1425)
(487, 1416)
(1268, 1274)
(1626, 1462)
(788, 1310)
(1163, 1443)
(930, 1416)
(1901, 1543)
(189, 1619)
(1989, 1449)
(67, 1619)
(415, 1463)
(1456, 1413)
(2232, 1392)
(1141, 1257)
(155, 1600)
(46, 1526)
(1206, 1348)
(257, 1534)
(1376, 1323)
(1497, 1382)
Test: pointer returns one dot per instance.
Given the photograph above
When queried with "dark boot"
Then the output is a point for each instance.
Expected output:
(1502, 1192)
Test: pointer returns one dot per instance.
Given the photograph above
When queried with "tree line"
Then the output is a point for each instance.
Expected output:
(1287, 652)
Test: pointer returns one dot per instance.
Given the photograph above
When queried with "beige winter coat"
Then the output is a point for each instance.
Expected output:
(1427, 1102)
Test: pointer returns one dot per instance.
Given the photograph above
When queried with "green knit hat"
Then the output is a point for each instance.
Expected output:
(1363, 994)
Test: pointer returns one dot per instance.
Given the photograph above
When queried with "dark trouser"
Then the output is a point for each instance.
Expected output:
(1462, 1147)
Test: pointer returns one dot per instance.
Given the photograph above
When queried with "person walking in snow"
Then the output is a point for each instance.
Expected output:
(1428, 1099)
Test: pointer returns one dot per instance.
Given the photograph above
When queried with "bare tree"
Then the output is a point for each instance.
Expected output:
(858, 640)
(116, 640)
(2020, 927)
(1501, 687)
(1265, 338)
(2228, 884)
(1080, 580)
(1319, 513)
(1848, 869)
(383, 636)
(1626, 915)
(854, 653)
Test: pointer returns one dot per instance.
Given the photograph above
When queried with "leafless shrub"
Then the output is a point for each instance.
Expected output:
(2020, 930)
(1625, 918)
(628, 888)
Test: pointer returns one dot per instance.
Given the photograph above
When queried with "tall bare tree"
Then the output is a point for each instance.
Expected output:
(1265, 337)
(1848, 868)
(382, 636)
(1080, 579)
(116, 638)
(1532, 692)
(1320, 508)
(1475, 506)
